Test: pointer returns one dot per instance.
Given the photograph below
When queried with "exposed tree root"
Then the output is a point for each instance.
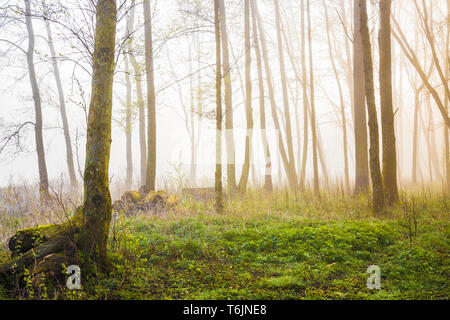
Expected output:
(43, 249)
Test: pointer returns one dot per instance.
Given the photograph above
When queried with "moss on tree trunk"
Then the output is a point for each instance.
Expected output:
(97, 206)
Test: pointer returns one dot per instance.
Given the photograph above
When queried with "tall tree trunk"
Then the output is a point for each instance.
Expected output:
(128, 126)
(313, 109)
(292, 182)
(268, 184)
(62, 108)
(387, 112)
(360, 118)
(248, 100)
(341, 99)
(97, 199)
(375, 171)
(43, 178)
(140, 100)
(305, 98)
(218, 173)
(287, 115)
(229, 133)
(150, 180)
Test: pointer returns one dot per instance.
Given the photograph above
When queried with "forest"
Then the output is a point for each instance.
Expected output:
(224, 150)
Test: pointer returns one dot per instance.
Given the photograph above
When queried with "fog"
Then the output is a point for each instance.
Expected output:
(184, 59)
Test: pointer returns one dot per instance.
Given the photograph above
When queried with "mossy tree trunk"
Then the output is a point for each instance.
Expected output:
(44, 247)
(97, 199)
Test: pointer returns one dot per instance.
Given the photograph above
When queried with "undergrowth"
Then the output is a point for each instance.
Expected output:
(280, 246)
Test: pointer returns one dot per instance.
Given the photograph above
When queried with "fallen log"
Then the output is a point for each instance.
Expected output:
(134, 202)
(30, 246)
(62, 241)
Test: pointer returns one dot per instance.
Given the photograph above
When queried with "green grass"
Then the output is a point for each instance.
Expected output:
(280, 248)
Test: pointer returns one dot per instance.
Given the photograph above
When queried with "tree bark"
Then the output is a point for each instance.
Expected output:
(150, 180)
(387, 112)
(377, 183)
(97, 199)
(43, 177)
(360, 118)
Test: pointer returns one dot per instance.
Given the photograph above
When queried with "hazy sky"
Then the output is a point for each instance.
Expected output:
(173, 146)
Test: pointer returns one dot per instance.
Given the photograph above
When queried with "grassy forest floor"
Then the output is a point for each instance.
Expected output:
(275, 247)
